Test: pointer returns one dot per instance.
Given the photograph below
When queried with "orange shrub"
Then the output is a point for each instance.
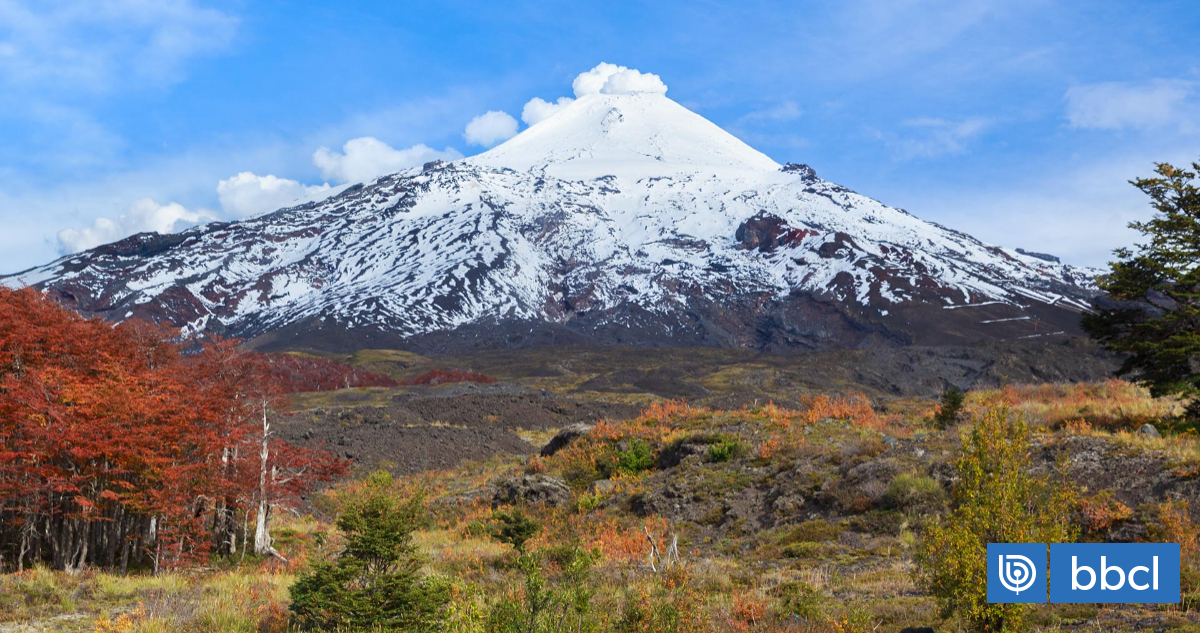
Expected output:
(618, 542)
(749, 610)
(1101, 511)
(769, 447)
(855, 408)
(535, 465)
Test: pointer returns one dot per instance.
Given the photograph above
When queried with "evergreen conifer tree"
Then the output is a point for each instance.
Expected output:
(1152, 312)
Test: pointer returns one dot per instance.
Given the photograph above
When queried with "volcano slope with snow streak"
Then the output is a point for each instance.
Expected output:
(620, 219)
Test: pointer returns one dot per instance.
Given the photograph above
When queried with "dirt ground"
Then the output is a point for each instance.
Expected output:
(412, 429)
(440, 427)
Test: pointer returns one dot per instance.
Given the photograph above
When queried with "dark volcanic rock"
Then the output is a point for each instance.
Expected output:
(1135, 476)
(440, 428)
(534, 489)
(806, 173)
(564, 438)
(768, 233)
(676, 452)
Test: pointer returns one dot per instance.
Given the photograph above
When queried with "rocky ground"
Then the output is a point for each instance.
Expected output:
(827, 501)
(440, 427)
(411, 429)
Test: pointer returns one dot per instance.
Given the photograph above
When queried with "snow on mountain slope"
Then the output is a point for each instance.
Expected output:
(639, 135)
(621, 218)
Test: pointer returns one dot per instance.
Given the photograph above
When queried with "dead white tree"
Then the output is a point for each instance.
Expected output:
(262, 527)
(663, 563)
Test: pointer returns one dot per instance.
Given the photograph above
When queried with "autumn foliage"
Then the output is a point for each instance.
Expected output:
(118, 449)
(442, 376)
(294, 374)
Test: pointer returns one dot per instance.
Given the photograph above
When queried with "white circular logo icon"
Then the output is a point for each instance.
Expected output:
(1017, 572)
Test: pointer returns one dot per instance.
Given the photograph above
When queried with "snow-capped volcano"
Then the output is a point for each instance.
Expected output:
(639, 135)
(620, 218)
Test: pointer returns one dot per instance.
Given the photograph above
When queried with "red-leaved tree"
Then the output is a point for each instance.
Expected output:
(117, 448)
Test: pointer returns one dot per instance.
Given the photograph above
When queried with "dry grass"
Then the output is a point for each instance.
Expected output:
(250, 600)
(1112, 405)
(741, 582)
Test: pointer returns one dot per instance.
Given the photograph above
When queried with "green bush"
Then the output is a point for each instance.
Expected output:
(809, 549)
(671, 606)
(950, 407)
(515, 528)
(545, 605)
(476, 527)
(799, 599)
(909, 491)
(995, 500)
(588, 501)
(374, 582)
(880, 522)
(636, 458)
(627, 457)
(725, 449)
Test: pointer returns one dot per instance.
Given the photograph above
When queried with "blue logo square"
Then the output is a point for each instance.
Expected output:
(1114, 572)
(1016, 573)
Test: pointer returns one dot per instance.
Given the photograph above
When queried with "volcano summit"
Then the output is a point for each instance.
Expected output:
(621, 218)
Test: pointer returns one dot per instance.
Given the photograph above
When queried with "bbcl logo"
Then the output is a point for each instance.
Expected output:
(1114, 572)
(1083, 572)
(1016, 572)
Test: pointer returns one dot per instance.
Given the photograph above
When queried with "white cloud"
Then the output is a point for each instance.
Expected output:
(1076, 207)
(77, 45)
(248, 194)
(241, 196)
(1120, 105)
(785, 111)
(366, 158)
(538, 110)
(630, 81)
(611, 79)
(490, 128)
(145, 215)
(590, 82)
(932, 137)
(43, 191)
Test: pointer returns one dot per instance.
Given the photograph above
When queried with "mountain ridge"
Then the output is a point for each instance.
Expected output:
(619, 219)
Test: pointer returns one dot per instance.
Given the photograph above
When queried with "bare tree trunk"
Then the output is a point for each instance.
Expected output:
(125, 558)
(152, 540)
(76, 565)
(24, 546)
(245, 531)
(262, 525)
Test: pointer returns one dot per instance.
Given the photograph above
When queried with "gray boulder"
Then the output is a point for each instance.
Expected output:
(1149, 431)
(534, 489)
(602, 487)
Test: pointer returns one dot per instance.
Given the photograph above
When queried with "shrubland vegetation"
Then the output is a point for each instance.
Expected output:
(444, 376)
(996, 499)
(879, 535)
(296, 373)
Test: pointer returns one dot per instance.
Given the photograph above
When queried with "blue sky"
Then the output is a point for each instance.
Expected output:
(1018, 121)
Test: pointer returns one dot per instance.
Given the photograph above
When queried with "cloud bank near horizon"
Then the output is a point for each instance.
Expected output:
(361, 159)
(248, 194)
